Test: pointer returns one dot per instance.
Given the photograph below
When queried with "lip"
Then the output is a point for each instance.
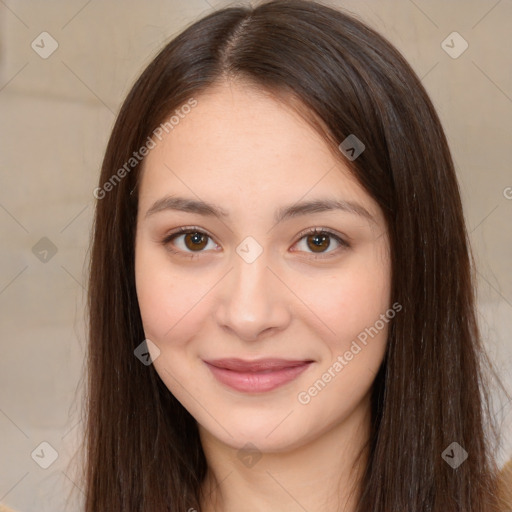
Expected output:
(256, 376)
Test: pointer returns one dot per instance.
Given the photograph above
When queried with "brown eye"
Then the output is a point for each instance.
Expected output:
(318, 242)
(195, 241)
(187, 240)
(321, 242)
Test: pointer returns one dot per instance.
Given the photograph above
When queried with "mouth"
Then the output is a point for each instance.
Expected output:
(256, 376)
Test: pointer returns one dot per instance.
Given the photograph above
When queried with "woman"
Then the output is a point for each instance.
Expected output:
(281, 295)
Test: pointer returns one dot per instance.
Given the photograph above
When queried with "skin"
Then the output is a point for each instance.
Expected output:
(250, 154)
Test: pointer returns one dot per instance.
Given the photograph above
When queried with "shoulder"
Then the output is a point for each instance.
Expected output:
(505, 486)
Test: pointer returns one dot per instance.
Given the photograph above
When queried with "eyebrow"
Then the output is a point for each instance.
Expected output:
(294, 210)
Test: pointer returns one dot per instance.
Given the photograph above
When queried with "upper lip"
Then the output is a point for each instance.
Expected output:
(241, 365)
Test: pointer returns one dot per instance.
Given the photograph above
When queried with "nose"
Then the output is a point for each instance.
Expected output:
(253, 301)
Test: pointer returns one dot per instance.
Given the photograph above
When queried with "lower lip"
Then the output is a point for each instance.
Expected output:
(257, 382)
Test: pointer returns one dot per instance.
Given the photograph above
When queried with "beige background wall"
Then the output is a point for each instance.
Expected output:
(56, 114)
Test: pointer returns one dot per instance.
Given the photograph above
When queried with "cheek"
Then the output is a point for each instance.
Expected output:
(357, 308)
(169, 300)
(351, 299)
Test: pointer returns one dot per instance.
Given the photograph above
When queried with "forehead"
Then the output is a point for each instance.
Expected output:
(240, 143)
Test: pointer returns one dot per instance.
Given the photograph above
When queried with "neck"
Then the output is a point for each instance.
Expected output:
(321, 474)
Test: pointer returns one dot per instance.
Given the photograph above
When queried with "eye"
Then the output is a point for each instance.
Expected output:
(192, 240)
(319, 240)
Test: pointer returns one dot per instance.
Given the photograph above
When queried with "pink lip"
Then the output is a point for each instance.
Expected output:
(256, 376)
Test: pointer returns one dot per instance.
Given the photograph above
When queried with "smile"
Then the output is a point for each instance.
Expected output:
(256, 376)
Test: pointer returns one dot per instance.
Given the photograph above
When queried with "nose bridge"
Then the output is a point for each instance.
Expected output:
(253, 300)
(250, 277)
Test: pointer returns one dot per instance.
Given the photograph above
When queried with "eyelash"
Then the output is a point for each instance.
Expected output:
(193, 229)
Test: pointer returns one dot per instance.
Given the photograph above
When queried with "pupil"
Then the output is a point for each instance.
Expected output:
(197, 241)
(319, 242)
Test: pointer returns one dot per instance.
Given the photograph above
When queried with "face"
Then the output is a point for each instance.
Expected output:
(270, 316)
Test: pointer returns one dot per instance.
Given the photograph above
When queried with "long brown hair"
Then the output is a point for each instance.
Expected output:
(142, 450)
